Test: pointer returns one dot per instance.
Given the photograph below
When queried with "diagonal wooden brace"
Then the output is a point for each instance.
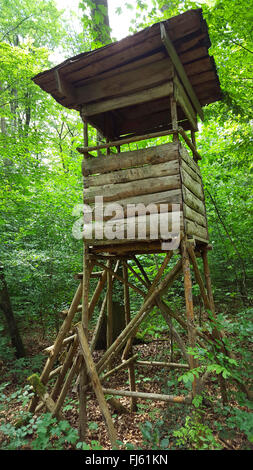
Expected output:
(92, 373)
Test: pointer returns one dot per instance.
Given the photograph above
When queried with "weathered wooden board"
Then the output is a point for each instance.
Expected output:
(190, 214)
(151, 155)
(113, 192)
(132, 174)
(152, 93)
(146, 200)
(151, 227)
(190, 172)
(192, 228)
(121, 84)
(144, 42)
(199, 39)
(194, 54)
(194, 186)
(198, 66)
(192, 201)
(121, 68)
(190, 162)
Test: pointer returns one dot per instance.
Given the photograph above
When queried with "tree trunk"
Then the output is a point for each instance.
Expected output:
(6, 307)
(101, 30)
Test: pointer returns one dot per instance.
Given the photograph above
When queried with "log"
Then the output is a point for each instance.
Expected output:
(167, 314)
(192, 228)
(92, 275)
(66, 365)
(169, 365)
(196, 155)
(121, 366)
(195, 176)
(192, 185)
(109, 325)
(65, 341)
(55, 371)
(41, 393)
(149, 396)
(131, 370)
(132, 174)
(124, 83)
(186, 157)
(117, 406)
(100, 320)
(125, 155)
(146, 227)
(125, 52)
(73, 371)
(190, 214)
(83, 377)
(135, 158)
(114, 192)
(173, 196)
(189, 307)
(174, 115)
(128, 249)
(192, 201)
(97, 292)
(120, 278)
(147, 280)
(121, 69)
(92, 372)
(128, 266)
(58, 343)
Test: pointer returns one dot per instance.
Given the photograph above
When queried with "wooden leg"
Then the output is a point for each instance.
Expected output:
(131, 369)
(58, 344)
(101, 316)
(97, 293)
(109, 311)
(208, 280)
(189, 305)
(65, 367)
(91, 368)
(83, 379)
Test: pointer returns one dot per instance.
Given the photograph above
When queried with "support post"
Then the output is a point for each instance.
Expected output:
(83, 378)
(174, 120)
(131, 371)
(189, 305)
(96, 384)
(109, 323)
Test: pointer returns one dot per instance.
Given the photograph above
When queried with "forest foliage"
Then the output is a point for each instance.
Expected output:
(40, 169)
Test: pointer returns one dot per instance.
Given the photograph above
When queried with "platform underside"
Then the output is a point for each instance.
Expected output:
(141, 246)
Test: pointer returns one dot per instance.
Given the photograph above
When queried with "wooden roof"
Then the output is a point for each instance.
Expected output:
(135, 63)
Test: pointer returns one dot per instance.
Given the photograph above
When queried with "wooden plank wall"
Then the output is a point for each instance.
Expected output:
(164, 174)
(195, 222)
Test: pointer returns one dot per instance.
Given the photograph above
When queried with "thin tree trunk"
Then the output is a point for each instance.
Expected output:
(6, 307)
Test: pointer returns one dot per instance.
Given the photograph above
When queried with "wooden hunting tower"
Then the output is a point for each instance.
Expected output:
(149, 85)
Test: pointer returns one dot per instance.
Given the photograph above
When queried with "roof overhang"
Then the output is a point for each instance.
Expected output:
(104, 83)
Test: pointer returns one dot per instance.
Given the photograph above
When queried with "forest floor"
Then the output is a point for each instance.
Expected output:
(130, 427)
